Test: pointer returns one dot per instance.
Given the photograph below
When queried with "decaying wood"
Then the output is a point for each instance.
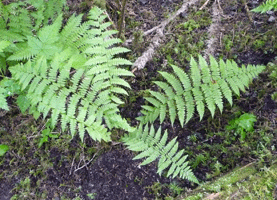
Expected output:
(213, 31)
(156, 40)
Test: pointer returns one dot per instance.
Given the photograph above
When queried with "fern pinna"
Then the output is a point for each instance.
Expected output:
(74, 75)
(267, 6)
(206, 85)
(152, 146)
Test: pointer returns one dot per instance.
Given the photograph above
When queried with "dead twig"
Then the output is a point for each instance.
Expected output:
(204, 5)
(86, 164)
(113, 24)
(155, 42)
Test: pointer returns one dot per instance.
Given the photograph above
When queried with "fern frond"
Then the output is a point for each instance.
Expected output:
(152, 146)
(42, 45)
(206, 85)
(78, 100)
(267, 6)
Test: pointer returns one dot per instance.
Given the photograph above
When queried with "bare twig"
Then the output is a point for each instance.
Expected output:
(155, 42)
(204, 5)
(70, 172)
(113, 24)
(86, 164)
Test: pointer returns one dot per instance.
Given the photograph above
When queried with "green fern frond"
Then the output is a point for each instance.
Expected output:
(268, 5)
(206, 86)
(152, 146)
(80, 101)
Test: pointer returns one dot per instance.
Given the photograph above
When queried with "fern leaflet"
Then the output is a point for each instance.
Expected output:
(268, 5)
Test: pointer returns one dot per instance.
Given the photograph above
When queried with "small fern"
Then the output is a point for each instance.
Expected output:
(153, 146)
(206, 85)
(267, 6)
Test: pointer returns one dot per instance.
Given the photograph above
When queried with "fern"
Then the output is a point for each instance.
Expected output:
(268, 5)
(24, 18)
(205, 86)
(153, 146)
(77, 99)
(72, 76)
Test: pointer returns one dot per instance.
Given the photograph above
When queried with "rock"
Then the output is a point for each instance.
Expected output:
(184, 14)
(143, 1)
(271, 19)
(254, 3)
(270, 12)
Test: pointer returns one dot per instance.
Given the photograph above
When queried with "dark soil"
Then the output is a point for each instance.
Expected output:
(62, 169)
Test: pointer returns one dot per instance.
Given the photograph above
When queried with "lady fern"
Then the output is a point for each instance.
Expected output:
(205, 86)
(152, 146)
(72, 76)
(75, 98)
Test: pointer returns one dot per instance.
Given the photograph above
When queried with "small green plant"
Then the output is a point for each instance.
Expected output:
(190, 25)
(24, 187)
(200, 158)
(274, 96)
(91, 195)
(45, 135)
(242, 125)
(3, 149)
(175, 188)
(272, 66)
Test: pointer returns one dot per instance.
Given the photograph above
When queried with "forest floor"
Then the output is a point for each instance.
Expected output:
(65, 168)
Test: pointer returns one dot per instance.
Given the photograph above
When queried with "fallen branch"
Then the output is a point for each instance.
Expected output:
(213, 31)
(155, 42)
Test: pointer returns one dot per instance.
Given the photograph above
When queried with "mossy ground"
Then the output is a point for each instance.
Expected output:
(64, 168)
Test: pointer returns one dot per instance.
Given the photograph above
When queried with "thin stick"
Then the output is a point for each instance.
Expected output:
(113, 24)
(86, 164)
(204, 5)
